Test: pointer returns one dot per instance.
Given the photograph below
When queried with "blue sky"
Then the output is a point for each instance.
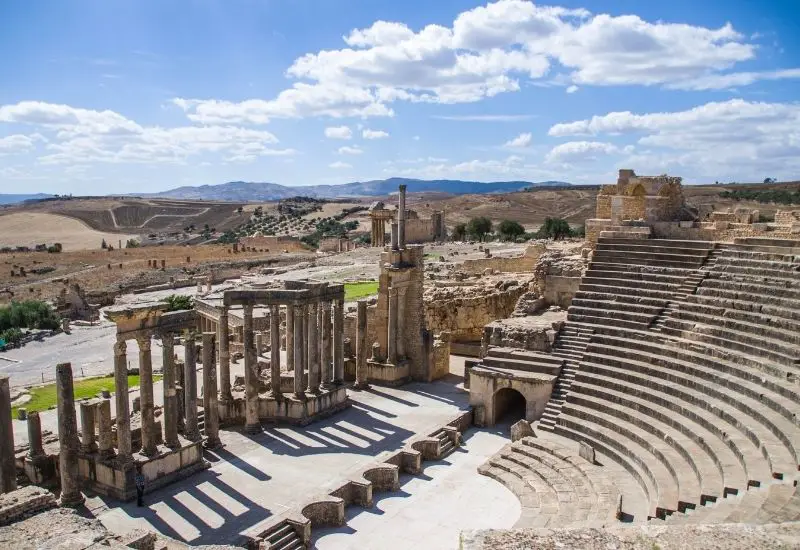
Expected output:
(144, 95)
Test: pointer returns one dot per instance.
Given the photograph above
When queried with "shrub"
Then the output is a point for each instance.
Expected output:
(178, 302)
(28, 314)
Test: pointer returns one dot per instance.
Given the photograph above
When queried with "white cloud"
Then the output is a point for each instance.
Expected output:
(18, 143)
(339, 165)
(374, 134)
(483, 118)
(522, 140)
(733, 139)
(572, 89)
(347, 150)
(731, 80)
(72, 120)
(579, 151)
(338, 132)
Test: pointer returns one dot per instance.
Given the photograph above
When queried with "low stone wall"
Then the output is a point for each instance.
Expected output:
(560, 290)
(25, 502)
(514, 264)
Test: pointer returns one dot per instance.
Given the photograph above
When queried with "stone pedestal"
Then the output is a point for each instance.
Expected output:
(67, 437)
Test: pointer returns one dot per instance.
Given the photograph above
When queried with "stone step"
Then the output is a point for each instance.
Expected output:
(609, 286)
(617, 305)
(757, 288)
(623, 282)
(612, 315)
(624, 298)
(522, 365)
(529, 499)
(523, 355)
(653, 248)
(758, 273)
(768, 242)
(705, 245)
(600, 320)
(748, 315)
(787, 264)
(660, 260)
(767, 305)
(645, 271)
(774, 503)
(748, 254)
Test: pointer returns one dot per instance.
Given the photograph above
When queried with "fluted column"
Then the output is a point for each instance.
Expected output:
(252, 424)
(290, 337)
(275, 349)
(223, 339)
(338, 342)
(325, 342)
(149, 436)
(124, 446)
(313, 348)
(361, 345)
(170, 393)
(8, 467)
(210, 407)
(392, 327)
(190, 430)
(299, 313)
(67, 437)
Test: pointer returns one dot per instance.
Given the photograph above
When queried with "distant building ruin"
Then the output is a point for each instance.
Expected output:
(417, 230)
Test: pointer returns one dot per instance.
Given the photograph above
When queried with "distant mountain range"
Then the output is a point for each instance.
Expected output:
(262, 191)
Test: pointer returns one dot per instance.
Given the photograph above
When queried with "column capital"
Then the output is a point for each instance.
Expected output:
(247, 309)
(144, 343)
(120, 347)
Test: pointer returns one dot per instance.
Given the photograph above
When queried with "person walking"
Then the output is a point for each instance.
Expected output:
(139, 479)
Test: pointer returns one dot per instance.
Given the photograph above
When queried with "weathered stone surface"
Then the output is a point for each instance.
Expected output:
(534, 333)
(521, 429)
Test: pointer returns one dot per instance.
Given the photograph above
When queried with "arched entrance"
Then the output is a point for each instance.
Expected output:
(509, 406)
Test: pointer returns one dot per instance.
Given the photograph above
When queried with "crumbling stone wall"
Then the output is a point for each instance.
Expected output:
(514, 264)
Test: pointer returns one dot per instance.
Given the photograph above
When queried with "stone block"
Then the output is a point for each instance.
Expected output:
(586, 451)
(521, 429)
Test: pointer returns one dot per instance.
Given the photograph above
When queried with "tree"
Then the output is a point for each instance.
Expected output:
(479, 227)
(554, 228)
(769, 180)
(459, 232)
(510, 230)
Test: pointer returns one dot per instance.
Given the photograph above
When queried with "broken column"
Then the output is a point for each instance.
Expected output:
(252, 424)
(223, 339)
(88, 409)
(170, 392)
(210, 407)
(299, 313)
(124, 446)
(361, 345)
(67, 437)
(325, 340)
(105, 445)
(149, 435)
(401, 219)
(190, 431)
(338, 342)
(275, 350)
(313, 348)
(35, 447)
(8, 467)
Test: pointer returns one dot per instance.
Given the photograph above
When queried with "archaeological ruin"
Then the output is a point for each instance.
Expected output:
(643, 383)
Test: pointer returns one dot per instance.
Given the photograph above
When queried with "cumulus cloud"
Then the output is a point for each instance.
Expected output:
(347, 150)
(339, 165)
(338, 132)
(580, 151)
(483, 118)
(522, 140)
(374, 134)
(18, 143)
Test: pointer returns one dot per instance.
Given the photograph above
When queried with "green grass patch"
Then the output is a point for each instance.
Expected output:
(44, 397)
(361, 289)
(432, 256)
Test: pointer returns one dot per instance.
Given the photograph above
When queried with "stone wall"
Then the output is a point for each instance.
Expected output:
(514, 264)
(272, 243)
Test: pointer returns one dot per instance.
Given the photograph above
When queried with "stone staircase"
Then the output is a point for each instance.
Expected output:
(688, 384)
(446, 445)
(283, 536)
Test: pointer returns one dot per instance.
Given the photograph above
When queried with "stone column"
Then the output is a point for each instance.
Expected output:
(325, 340)
(373, 240)
(210, 407)
(400, 340)
(170, 392)
(88, 409)
(190, 431)
(259, 343)
(395, 237)
(338, 342)
(299, 313)
(67, 437)
(124, 446)
(252, 424)
(275, 349)
(105, 444)
(223, 337)
(149, 436)
(35, 449)
(313, 348)
(304, 347)
(290, 337)
(392, 328)
(401, 219)
(8, 466)
(361, 345)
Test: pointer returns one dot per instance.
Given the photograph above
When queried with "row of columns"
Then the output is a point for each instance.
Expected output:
(378, 232)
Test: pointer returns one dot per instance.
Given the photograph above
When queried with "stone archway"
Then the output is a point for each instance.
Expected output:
(509, 405)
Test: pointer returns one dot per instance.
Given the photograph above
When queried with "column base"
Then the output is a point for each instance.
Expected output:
(74, 500)
(149, 452)
(253, 428)
(210, 444)
(358, 386)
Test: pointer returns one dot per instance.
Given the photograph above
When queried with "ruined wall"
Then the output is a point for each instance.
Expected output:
(515, 264)
(272, 243)
(335, 244)
(787, 217)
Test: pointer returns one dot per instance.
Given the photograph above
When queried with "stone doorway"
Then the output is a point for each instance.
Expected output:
(509, 406)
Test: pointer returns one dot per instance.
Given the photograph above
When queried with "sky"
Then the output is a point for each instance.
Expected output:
(128, 96)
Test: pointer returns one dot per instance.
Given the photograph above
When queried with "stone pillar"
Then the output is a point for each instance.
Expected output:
(290, 337)
(400, 340)
(8, 466)
(361, 345)
(401, 219)
(67, 437)
(304, 347)
(252, 424)
(124, 446)
(275, 350)
(391, 355)
(170, 392)
(259, 343)
(35, 449)
(105, 445)
(149, 436)
(325, 340)
(313, 348)
(395, 237)
(190, 431)
(223, 337)
(88, 409)
(338, 342)
(299, 313)
(210, 407)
